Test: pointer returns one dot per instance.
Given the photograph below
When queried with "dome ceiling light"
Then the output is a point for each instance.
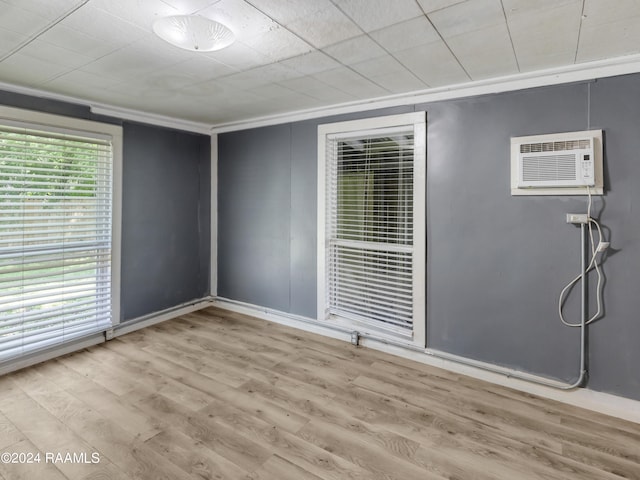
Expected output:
(194, 33)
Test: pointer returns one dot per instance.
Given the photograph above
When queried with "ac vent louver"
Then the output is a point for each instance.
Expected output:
(554, 146)
(549, 168)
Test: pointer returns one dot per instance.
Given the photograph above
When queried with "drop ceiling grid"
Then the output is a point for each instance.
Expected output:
(546, 37)
(297, 54)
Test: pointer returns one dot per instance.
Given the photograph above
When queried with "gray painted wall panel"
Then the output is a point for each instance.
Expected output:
(162, 234)
(495, 263)
(303, 229)
(254, 212)
(267, 218)
(614, 341)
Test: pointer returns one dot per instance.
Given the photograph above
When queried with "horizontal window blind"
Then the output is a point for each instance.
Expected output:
(55, 238)
(369, 209)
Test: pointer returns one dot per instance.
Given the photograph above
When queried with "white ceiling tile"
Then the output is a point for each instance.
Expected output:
(517, 7)
(142, 13)
(401, 36)
(239, 56)
(330, 95)
(50, 9)
(549, 59)
(103, 26)
(261, 108)
(210, 90)
(545, 38)
(187, 7)
(47, 52)
(154, 50)
(317, 89)
(611, 39)
(467, 16)
(400, 82)
(199, 68)
(432, 5)
(485, 53)
(325, 27)
(310, 63)
(433, 64)
(243, 80)
(9, 40)
(355, 50)
(270, 91)
(22, 21)
(302, 84)
(278, 43)
(26, 70)
(378, 66)
(77, 42)
(294, 101)
(77, 81)
(598, 11)
(259, 76)
(286, 11)
(129, 62)
(243, 19)
(351, 82)
(275, 72)
(138, 95)
(275, 64)
(375, 14)
(390, 74)
(163, 81)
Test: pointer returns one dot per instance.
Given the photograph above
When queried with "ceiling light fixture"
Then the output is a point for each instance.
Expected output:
(193, 32)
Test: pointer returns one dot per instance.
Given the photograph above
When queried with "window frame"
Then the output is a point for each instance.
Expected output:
(70, 125)
(418, 121)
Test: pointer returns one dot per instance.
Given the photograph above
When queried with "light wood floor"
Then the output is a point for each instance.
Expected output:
(214, 395)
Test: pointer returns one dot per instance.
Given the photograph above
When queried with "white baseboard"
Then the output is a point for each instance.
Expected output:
(605, 403)
(97, 338)
(288, 319)
(53, 352)
(160, 316)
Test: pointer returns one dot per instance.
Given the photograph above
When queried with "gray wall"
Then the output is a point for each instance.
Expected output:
(165, 218)
(166, 210)
(495, 263)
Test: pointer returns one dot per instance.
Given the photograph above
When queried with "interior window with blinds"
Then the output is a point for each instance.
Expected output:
(370, 227)
(55, 237)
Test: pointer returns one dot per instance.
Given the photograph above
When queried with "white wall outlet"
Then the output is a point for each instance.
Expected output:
(577, 218)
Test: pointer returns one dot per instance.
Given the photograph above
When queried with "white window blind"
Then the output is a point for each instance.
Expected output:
(370, 227)
(55, 237)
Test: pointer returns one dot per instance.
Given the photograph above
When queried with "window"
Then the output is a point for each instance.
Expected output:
(59, 260)
(371, 224)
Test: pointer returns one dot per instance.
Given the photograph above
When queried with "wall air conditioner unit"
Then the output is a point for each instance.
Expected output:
(557, 164)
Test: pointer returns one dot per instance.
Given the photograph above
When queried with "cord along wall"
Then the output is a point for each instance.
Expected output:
(495, 263)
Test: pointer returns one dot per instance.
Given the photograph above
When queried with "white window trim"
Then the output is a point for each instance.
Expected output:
(51, 121)
(418, 120)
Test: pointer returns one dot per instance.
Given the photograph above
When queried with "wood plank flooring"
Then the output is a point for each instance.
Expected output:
(215, 395)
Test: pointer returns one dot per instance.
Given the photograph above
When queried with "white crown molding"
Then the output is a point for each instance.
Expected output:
(539, 78)
(554, 76)
(150, 118)
(112, 111)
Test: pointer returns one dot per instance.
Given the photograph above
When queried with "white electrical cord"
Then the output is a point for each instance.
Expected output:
(593, 264)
